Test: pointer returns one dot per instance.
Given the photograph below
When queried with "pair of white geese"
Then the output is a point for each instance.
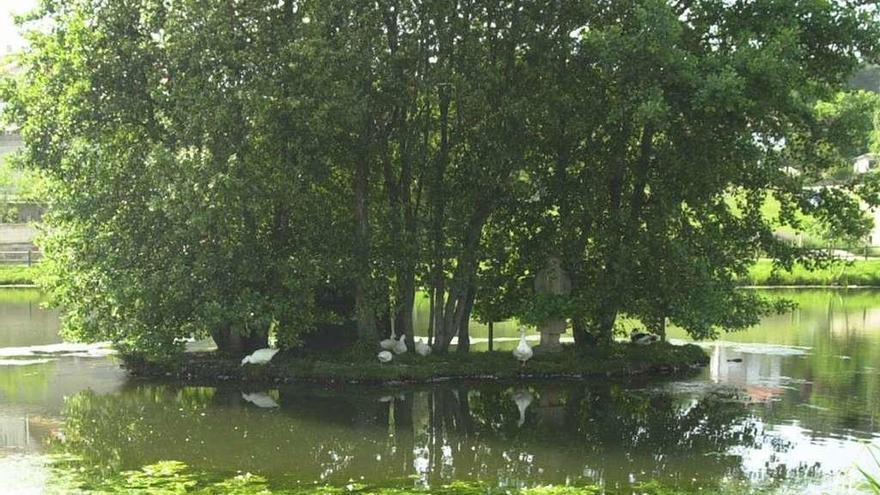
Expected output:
(522, 353)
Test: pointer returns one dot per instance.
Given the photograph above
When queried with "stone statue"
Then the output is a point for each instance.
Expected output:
(552, 280)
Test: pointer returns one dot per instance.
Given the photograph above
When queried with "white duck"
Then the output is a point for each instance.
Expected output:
(523, 400)
(523, 351)
(400, 345)
(260, 399)
(385, 356)
(260, 356)
(422, 349)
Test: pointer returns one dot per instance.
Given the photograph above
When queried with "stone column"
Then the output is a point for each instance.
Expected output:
(554, 281)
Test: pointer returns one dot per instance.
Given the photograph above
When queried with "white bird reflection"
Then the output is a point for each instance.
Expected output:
(260, 399)
(523, 399)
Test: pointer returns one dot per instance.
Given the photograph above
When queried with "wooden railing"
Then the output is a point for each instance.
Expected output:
(22, 257)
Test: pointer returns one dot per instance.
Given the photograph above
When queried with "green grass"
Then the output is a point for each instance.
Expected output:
(17, 295)
(870, 480)
(621, 359)
(859, 272)
(18, 274)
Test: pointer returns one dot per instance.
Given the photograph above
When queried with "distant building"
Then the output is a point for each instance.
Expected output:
(865, 163)
(791, 171)
(875, 231)
(17, 237)
(9, 141)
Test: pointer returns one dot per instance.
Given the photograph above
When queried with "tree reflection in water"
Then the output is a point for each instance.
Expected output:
(571, 433)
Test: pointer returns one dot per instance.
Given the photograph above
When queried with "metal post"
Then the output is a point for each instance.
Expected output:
(29, 257)
(491, 333)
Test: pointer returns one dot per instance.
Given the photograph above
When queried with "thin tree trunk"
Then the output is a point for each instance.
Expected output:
(464, 277)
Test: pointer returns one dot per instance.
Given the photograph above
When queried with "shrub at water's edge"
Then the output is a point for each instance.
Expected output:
(857, 272)
(363, 367)
(18, 275)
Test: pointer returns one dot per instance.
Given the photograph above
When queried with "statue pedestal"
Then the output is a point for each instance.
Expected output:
(550, 330)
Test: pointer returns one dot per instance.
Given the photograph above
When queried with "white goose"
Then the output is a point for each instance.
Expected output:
(260, 356)
(385, 356)
(400, 345)
(422, 349)
(523, 351)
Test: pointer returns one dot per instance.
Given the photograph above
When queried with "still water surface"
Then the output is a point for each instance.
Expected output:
(790, 404)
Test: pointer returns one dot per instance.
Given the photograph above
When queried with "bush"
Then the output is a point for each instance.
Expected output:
(18, 275)
(857, 272)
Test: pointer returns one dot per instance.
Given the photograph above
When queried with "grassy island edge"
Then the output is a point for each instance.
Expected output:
(355, 366)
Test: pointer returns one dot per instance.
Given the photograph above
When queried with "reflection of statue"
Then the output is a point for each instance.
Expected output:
(552, 280)
(551, 408)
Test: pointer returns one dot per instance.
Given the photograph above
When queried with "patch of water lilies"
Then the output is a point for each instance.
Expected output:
(174, 477)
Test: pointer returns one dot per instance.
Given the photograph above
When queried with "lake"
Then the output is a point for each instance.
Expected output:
(790, 405)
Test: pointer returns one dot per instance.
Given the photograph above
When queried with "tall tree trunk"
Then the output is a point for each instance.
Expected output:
(366, 319)
(406, 291)
(406, 277)
(464, 334)
(403, 223)
(582, 336)
(622, 233)
(231, 342)
(438, 203)
(605, 319)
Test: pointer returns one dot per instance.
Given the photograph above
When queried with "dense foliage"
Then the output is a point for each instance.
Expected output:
(229, 168)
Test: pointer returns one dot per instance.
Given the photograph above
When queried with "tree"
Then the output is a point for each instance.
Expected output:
(228, 169)
(179, 162)
(693, 110)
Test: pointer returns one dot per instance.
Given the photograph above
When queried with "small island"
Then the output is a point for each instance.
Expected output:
(353, 366)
